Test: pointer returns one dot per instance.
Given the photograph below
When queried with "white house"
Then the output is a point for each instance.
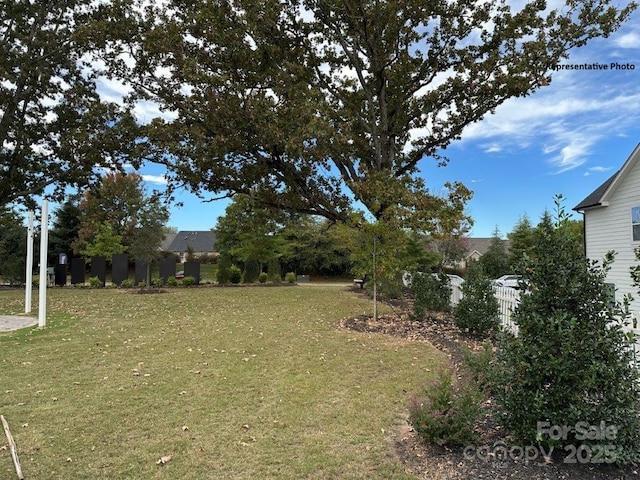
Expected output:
(612, 222)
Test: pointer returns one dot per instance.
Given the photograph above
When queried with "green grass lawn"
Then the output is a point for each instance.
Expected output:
(251, 383)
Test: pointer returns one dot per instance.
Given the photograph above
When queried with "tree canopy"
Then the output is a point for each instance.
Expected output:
(310, 105)
(119, 212)
(54, 128)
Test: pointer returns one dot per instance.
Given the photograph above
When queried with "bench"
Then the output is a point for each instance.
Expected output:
(361, 281)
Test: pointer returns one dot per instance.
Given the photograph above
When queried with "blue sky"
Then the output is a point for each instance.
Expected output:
(566, 139)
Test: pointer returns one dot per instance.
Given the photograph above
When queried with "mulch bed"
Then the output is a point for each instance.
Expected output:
(435, 462)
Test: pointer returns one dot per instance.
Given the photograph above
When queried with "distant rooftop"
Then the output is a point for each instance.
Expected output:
(199, 241)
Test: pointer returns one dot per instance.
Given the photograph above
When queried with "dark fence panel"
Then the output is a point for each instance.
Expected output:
(192, 269)
(99, 268)
(60, 274)
(120, 268)
(141, 271)
(167, 267)
(77, 270)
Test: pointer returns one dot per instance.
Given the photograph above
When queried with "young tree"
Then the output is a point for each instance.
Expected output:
(521, 244)
(494, 261)
(572, 362)
(105, 242)
(54, 128)
(149, 233)
(309, 105)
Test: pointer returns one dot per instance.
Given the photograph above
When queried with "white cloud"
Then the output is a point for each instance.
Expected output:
(565, 120)
(596, 170)
(158, 179)
(492, 148)
(628, 40)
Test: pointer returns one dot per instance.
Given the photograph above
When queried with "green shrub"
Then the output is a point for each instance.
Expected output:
(156, 282)
(572, 360)
(223, 275)
(95, 282)
(235, 274)
(127, 283)
(188, 281)
(290, 277)
(142, 284)
(432, 293)
(478, 311)
(251, 271)
(448, 413)
(263, 277)
(273, 271)
(480, 365)
(391, 287)
(171, 281)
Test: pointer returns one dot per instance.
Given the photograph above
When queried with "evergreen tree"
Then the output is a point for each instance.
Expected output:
(494, 261)
(478, 309)
(13, 250)
(572, 361)
(521, 241)
(66, 224)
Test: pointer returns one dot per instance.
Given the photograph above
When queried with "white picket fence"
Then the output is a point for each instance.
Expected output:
(508, 298)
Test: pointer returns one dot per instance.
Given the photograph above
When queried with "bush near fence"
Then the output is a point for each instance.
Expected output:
(508, 299)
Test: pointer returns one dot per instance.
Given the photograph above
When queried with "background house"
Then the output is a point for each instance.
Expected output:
(476, 247)
(201, 242)
(612, 222)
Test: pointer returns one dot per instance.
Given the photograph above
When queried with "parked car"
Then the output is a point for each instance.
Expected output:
(508, 281)
(454, 280)
(180, 275)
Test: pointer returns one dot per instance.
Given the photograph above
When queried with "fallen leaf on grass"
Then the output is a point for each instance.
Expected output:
(165, 459)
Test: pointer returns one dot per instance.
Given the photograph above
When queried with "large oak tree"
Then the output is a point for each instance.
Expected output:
(311, 104)
(54, 128)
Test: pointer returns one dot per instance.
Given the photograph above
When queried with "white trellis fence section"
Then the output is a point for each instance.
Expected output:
(508, 299)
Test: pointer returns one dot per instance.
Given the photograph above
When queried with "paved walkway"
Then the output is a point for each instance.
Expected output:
(9, 323)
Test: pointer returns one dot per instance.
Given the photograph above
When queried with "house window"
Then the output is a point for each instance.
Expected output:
(635, 223)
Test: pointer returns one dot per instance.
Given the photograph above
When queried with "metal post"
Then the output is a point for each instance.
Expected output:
(28, 288)
(375, 290)
(44, 280)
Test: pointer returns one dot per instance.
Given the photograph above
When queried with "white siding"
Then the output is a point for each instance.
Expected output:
(609, 228)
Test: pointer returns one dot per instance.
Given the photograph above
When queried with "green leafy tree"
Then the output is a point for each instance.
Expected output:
(13, 251)
(247, 230)
(54, 128)
(149, 233)
(494, 262)
(521, 244)
(105, 242)
(315, 246)
(274, 271)
(223, 275)
(572, 360)
(310, 105)
(251, 271)
(120, 201)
